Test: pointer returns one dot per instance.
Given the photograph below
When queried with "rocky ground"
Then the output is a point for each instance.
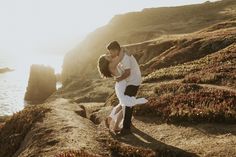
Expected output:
(68, 128)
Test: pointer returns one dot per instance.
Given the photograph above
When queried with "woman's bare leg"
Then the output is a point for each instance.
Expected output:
(116, 109)
(108, 121)
(119, 119)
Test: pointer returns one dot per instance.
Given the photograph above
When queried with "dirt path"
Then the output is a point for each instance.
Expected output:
(190, 140)
(62, 129)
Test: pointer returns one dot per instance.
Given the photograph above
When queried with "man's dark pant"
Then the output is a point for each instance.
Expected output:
(130, 90)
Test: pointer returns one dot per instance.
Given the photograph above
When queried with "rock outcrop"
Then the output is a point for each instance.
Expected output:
(41, 84)
(3, 70)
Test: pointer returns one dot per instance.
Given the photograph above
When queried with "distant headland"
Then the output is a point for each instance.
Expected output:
(6, 69)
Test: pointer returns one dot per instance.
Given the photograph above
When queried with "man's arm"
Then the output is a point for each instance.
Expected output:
(124, 75)
(126, 64)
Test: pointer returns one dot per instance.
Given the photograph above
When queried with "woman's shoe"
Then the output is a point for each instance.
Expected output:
(141, 101)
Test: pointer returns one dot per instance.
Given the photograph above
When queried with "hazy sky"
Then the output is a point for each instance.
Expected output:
(56, 26)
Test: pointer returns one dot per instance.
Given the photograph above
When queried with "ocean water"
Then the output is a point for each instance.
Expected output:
(13, 84)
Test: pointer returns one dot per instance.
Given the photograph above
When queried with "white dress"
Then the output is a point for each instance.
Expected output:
(124, 100)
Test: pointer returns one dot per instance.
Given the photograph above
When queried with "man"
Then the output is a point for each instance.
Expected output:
(132, 75)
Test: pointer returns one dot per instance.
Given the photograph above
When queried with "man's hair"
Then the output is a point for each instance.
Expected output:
(114, 45)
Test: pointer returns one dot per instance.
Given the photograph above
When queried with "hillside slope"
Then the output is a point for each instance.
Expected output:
(142, 26)
(191, 109)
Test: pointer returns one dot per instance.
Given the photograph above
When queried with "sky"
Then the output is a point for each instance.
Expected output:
(56, 26)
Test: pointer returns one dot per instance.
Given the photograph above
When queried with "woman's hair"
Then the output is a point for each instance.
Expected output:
(103, 67)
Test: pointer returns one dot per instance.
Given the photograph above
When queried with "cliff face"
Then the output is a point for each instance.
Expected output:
(142, 26)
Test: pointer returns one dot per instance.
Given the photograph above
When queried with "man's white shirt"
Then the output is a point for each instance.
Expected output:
(129, 62)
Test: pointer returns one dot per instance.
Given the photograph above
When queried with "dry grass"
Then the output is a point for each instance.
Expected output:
(176, 102)
(3, 119)
(221, 70)
(184, 49)
(180, 102)
(16, 128)
(215, 68)
(76, 153)
(123, 150)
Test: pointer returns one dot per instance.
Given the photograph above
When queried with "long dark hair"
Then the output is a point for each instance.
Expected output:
(103, 67)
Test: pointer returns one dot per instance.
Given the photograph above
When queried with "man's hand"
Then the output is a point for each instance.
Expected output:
(118, 79)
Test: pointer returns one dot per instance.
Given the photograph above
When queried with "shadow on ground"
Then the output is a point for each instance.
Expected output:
(141, 139)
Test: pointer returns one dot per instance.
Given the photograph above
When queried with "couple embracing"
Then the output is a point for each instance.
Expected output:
(124, 68)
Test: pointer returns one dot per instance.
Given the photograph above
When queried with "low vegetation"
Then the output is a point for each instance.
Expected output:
(177, 102)
(217, 68)
(123, 150)
(76, 153)
(221, 70)
(16, 128)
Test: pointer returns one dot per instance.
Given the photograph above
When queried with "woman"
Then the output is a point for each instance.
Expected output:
(108, 67)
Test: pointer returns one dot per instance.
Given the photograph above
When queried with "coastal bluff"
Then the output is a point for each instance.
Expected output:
(4, 70)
